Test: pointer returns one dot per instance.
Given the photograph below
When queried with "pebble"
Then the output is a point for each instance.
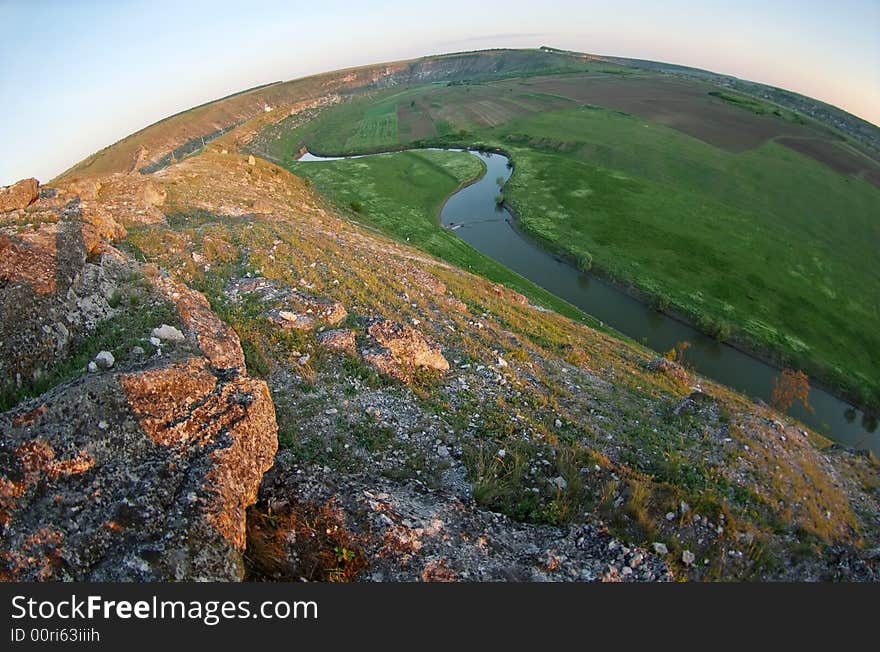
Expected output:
(687, 557)
(93, 367)
(660, 548)
(155, 341)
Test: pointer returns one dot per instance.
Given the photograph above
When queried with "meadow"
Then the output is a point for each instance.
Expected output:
(730, 222)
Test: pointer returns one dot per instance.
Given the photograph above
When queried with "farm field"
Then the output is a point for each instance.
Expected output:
(756, 225)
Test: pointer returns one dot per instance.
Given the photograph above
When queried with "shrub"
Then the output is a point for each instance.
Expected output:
(789, 387)
(585, 261)
(356, 206)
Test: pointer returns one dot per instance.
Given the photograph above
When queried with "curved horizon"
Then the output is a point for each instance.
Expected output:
(97, 68)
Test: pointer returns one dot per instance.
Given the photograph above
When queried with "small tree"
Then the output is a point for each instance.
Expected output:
(676, 353)
(791, 385)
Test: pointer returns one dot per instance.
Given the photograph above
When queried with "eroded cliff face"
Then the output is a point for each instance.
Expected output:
(433, 425)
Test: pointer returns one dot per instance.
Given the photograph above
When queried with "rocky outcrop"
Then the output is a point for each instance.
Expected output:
(18, 195)
(215, 338)
(303, 311)
(399, 349)
(402, 532)
(56, 280)
(133, 476)
(339, 339)
(140, 469)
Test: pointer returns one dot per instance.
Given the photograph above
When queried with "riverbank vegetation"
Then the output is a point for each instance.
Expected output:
(714, 216)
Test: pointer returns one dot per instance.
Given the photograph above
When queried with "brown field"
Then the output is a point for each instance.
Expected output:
(415, 123)
(835, 157)
(684, 106)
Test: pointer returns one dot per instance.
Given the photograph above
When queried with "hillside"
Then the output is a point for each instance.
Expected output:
(213, 371)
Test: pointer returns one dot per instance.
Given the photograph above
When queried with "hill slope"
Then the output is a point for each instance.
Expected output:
(430, 424)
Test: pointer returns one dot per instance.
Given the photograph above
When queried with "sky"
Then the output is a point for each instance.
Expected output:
(78, 75)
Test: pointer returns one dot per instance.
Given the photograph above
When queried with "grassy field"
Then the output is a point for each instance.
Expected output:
(768, 245)
(401, 195)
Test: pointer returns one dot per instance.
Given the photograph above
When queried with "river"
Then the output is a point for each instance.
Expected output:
(476, 218)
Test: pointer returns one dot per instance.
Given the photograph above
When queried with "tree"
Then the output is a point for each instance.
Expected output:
(791, 385)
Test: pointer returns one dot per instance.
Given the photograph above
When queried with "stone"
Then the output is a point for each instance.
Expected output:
(168, 333)
(251, 160)
(557, 423)
(687, 557)
(156, 491)
(559, 482)
(407, 346)
(340, 339)
(155, 341)
(93, 367)
(104, 360)
(660, 548)
(217, 339)
(19, 195)
(137, 351)
(502, 362)
(670, 516)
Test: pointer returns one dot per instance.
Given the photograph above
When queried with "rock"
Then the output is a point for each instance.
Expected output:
(137, 351)
(660, 548)
(407, 346)
(251, 160)
(670, 368)
(93, 367)
(327, 311)
(557, 423)
(217, 340)
(155, 341)
(501, 453)
(687, 557)
(156, 492)
(559, 482)
(670, 516)
(291, 320)
(340, 339)
(105, 360)
(304, 360)
(19, 195)
(502, 362)
(442, 451)
(168, 333)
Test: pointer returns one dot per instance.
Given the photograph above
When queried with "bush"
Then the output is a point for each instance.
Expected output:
(585, 261)
(356, 206)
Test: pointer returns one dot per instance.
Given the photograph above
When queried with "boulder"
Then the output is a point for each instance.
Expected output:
(19, 195)
(401, 347)
(339, 339)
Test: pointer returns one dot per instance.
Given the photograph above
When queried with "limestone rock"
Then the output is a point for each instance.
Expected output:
(217, 340)
(148, 480)
(169, 333)
(105, 360)
(401, 347)
(19, 195)
(340, 339)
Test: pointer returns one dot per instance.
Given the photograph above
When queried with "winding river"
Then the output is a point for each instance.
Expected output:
(473, 214)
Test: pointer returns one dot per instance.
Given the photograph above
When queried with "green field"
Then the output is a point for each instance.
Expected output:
(401, 195)
(764, 245)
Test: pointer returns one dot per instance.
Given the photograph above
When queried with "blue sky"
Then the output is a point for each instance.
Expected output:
(77, 75)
